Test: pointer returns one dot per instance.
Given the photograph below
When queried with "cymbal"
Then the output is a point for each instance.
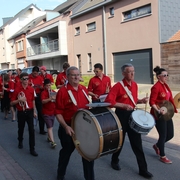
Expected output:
(168, 108)
(177, 100)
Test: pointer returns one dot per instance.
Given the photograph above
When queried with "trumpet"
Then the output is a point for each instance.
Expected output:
(52, 94)
(24, 105)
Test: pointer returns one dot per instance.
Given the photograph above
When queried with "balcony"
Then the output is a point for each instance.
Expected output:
(44, 48)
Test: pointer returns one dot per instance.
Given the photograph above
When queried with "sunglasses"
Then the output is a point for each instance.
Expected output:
(25, 79)
(164, 75)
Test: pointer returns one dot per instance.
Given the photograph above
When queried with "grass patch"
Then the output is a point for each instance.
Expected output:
(86, 80)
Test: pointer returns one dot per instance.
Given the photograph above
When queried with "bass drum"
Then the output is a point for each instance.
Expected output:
(97, 132)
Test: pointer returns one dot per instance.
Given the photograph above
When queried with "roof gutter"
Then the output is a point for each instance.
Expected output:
(90, 9)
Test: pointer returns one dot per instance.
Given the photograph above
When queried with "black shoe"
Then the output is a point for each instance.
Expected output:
(34, 153)
(145, 174)
(43, 132)
(20, 145)
(115, 166)
(60, 177)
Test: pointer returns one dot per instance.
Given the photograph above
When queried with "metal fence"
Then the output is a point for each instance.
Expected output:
(51, 46)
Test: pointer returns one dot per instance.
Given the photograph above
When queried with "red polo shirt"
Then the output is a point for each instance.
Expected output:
(118, 94)
(48, 108)
(98, 86)
(29, 94)
(64, 104)
(37, 81)
(10, 88)
(61, 78)
(47, 76)
(158, 94)
(17, 81)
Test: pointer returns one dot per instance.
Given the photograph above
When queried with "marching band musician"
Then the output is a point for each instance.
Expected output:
(45, 75)
(124, 103)
(17, 78)
(23, 98)
(159, 92)
(48, 109)
(36, 82)
(8, 89)
(61, 77)
(98, 85)
(69, 99)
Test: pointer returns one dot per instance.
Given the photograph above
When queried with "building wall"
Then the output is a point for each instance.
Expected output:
(137, 34)
(169, 17)
(170, 56)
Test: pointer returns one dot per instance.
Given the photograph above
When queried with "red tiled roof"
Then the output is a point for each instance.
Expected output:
(175, 37)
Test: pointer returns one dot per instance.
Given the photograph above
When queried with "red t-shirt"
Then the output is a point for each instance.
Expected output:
(47, 76)
(98, 86)
(61, 78)
(17, 81)
(29, 94)
(158, 94)
(10, 88)
(64, 104)
(118, 94)
(37, 81)
(48, 108)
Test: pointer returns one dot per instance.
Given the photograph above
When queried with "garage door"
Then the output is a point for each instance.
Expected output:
(141, 60)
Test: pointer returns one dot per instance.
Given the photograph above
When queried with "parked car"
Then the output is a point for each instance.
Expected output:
(5, 71)
(53, 72)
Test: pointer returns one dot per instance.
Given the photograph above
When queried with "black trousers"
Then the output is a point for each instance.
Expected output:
(165, 130)
(134, 138)
(23, 117)
(38, 103)
(65, 153)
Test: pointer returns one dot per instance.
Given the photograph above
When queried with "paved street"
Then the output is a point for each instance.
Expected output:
(20, 165)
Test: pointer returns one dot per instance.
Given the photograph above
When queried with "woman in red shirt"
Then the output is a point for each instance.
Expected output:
(159, 92)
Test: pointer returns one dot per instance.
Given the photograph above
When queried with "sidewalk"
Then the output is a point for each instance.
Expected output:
(9, 169)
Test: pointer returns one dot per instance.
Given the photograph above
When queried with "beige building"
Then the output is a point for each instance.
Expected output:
(8, 29)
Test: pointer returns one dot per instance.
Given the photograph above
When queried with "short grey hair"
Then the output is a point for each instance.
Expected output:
(70, 69)
(126, 65)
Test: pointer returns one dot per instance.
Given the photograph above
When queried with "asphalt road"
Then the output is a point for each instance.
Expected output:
(44, 166)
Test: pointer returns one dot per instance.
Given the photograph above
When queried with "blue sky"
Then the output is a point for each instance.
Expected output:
(10, 8)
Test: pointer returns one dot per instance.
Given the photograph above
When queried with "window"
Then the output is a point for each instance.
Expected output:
(89, 62)
(77, 31)
(79, 63)
(138, 12)
(91, 27)
(20, 45)
(111, 12)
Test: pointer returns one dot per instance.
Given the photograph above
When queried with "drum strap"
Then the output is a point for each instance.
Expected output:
(128, 92)
(73, 98)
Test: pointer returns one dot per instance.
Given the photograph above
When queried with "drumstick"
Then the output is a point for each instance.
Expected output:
(146, 103)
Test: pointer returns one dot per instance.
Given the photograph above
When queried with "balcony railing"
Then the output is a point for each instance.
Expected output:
(51, 46)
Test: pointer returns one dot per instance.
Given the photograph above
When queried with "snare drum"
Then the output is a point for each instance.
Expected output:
(97, 132)
(141, 121)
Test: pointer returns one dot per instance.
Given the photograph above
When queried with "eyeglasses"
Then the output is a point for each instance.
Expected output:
(25, 79)
(96, 71)
(164, 75)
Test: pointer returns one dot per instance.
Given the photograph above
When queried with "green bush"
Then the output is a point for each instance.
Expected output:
(86, 80)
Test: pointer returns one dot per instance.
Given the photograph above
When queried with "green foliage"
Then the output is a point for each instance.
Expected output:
(86, 80)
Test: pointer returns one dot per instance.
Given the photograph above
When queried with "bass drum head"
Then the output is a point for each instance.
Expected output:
(86, 138)
(143, 119)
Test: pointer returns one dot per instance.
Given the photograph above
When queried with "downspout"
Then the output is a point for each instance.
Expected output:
(104, 40)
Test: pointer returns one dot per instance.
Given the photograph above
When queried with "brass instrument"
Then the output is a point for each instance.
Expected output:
(24, 105)
(52, 94)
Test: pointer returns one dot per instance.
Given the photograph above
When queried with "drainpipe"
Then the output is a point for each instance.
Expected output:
(104, 40)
